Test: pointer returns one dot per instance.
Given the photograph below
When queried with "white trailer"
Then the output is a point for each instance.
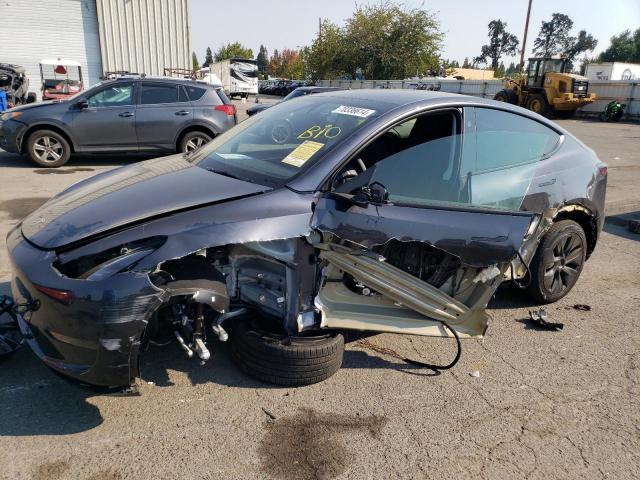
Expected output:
(239, 76)
(616, 71)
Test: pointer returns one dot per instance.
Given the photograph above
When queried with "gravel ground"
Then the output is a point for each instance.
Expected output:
(545, 404)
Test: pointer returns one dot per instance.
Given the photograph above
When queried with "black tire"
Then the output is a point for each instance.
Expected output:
(292, 362)
(538, 103)
(558, 262)
(565, 114)
(508, 96)
(604, 116)
(193, 141)
(31, 97)
(48, 148)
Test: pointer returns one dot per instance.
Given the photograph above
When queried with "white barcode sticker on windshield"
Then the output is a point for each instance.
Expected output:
(354, 111)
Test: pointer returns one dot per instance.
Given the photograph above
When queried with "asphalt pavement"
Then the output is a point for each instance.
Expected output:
(522, 403)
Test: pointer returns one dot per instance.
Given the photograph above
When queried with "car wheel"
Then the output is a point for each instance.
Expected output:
(538, 104)
(508, 96)
(193, 141)
(287, 361)
(558, 262)
(48, 148)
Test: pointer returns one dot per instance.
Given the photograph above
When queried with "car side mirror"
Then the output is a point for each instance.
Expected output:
(378, 194)
(82, 104)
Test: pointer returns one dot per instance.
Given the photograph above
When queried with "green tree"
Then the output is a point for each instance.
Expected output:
(624, 47)
(577, 45)
(554, 35)
(500, 43)
(208, 58)
(512, 69)
(194, 61)
(499, 72)
(384, 40)
(466, 63)
(262, 59)
(232, 50)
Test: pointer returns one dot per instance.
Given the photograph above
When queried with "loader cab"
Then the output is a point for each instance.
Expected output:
(539, 66)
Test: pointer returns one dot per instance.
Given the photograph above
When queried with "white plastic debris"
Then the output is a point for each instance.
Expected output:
(475, 374)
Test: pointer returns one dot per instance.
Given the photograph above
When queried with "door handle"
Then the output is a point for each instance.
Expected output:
(182, 112)
(126, 114)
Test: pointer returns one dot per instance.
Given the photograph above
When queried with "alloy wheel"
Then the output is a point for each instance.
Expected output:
(48, 149)
(563, 263)
(194, 143)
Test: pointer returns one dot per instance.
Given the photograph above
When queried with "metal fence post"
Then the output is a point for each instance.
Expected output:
(484, 89)
(631, 99)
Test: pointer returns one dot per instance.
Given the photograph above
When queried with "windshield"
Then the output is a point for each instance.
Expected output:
(271, 148)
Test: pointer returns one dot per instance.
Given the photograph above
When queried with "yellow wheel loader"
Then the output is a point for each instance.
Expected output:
(547, 89)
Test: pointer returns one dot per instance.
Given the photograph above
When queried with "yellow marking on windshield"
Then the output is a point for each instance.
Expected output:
(303, 152)
(328, 131)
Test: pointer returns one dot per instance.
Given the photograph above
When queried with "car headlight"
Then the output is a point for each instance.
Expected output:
(9, 116)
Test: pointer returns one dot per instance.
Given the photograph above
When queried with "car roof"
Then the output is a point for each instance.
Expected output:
(198, 83)
(427, 98)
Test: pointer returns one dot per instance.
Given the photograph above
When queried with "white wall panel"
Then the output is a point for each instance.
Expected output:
(31, 30)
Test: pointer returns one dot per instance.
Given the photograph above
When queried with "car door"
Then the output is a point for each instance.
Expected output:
(403, 224)
(163, 111)
(107, 120)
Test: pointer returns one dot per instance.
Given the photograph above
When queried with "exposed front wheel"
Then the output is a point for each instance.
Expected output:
(558, 262)
(193, 141)
(282, 360)
(48, 148)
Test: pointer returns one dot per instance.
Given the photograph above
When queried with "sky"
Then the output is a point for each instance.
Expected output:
(294, 23)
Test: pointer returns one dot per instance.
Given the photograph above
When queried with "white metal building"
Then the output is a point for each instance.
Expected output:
(618, 71)
(142, 36)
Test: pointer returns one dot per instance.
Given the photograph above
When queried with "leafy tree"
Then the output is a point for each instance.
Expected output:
(624, 47)
(577, 45)
(263, 59)
(554, 35)
(512, 69)
(233, 50)
(500, 43)
(555, 39)
(208, 58)
(384, 40)
(499, 72)
(194, 61)
(466, 63)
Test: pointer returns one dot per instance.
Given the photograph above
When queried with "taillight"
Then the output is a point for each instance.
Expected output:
(63, 296)
(603, 171)
(228, 109)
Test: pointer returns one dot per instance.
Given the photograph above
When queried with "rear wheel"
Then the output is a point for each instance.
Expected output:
(48, 148)
(558, 262)
(193, 141)
(281, 360)
(538, 103)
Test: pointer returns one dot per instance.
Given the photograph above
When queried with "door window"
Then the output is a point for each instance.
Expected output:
(155, 94)
(113, 96)
(428, 161)
(508, 149)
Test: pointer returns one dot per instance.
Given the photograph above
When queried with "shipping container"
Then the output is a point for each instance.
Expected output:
(613, 71)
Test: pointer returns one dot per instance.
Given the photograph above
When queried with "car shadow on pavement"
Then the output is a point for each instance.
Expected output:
(618, 225)
(80, 162)
(37, 402)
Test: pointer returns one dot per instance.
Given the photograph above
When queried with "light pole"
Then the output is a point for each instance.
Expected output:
(524, 39)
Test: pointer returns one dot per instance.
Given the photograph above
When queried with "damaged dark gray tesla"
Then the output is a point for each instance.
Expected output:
(385, 211)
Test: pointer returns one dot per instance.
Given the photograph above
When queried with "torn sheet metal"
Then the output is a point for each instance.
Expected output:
(479, 239)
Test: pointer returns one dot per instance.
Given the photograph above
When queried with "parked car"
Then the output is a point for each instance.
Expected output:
(127, 114)
(378, 210)
(15, 84)
(298, 92)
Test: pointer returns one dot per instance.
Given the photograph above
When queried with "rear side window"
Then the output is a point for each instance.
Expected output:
(195, 93)
(505, 139)
(223, 97)
(154, 94)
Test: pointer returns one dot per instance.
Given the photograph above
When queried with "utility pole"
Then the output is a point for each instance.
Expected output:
(524, 40)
